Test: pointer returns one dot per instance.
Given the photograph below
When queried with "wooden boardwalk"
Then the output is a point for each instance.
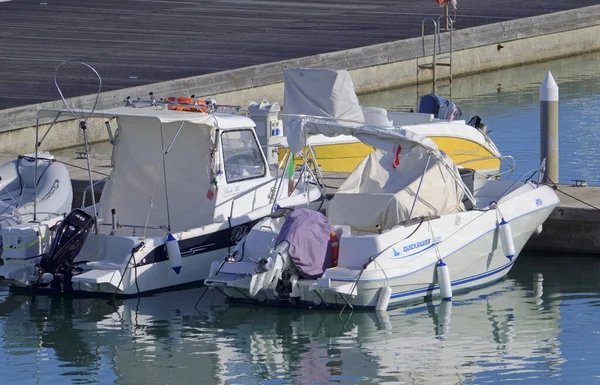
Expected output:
(136, 42)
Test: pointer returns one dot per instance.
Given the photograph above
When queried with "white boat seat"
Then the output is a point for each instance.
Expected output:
(257, 241)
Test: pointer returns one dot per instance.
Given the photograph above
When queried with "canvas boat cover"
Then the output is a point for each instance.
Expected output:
(320, 101)
(321, 92)
(376, 193)
(136, 185)
(439, 107)
(307, 231)
(382, 189)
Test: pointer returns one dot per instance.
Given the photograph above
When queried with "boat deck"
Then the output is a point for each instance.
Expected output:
(140, 42)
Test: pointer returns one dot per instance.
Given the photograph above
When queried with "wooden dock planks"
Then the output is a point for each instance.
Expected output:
(135, 42)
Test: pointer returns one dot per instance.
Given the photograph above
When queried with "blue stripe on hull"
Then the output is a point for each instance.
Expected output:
(458, 283)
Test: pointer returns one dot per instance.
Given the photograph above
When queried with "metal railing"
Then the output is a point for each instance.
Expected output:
(506, 159)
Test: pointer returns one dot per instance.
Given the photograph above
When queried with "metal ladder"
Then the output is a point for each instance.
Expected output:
(438, 58)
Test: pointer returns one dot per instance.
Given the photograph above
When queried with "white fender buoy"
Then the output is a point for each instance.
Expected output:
(507, 240)
(443, 277)
(384, 298)
(174, 253)
(538, 230)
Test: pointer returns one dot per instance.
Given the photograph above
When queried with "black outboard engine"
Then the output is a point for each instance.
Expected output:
(439, 107)
(56, 267)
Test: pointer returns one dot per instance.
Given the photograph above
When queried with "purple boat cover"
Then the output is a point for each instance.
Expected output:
(307, 232)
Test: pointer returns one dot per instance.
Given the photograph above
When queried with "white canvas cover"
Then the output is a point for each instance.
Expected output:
(136, 185)
(321, 92)
(376, 193)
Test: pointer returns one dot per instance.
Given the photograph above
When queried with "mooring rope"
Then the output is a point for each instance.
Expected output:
(82, 168)
(554, 186)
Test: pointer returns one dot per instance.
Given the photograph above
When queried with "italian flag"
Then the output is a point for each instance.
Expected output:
(289, 169)
(289, 172)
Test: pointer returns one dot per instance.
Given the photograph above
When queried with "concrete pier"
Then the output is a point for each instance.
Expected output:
(574, 226)
(348, 35)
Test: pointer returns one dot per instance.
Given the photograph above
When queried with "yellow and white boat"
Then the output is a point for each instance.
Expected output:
(466, 145)
(316, 89)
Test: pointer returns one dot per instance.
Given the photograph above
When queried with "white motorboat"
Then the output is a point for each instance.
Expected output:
(403, 226)
(35, 194)
(184, 189)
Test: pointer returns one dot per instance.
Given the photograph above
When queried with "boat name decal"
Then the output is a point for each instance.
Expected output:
(230, 190)
(238, 234)
(416, 245)
(464, 151)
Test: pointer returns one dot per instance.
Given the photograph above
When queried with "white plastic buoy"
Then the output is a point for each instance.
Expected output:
(443, 276)
(507, 240)
(174, 253)
(384, 298)
(538, 230)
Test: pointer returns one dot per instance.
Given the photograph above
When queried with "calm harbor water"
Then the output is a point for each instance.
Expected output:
(537, 326)
(508, 102)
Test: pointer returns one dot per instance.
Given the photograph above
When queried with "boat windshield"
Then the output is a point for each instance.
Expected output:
(241, 156)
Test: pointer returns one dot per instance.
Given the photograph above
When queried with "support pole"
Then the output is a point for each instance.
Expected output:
(549, 127)
(447, 15)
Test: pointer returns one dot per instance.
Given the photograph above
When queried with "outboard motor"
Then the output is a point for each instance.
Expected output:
(56, 267)
(439, 107)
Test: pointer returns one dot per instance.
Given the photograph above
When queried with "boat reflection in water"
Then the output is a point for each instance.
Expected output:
(510, 328)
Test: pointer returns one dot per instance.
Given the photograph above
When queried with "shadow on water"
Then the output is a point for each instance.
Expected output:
(509, 328)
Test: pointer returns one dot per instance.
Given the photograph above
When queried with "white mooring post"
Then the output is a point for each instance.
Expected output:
(549, 127)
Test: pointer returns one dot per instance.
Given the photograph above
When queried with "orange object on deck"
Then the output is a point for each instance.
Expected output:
(335, 248)
(182, 103)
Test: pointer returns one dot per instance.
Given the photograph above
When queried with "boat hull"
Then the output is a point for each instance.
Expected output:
(472, 251)
(344, 157)
(150, 270)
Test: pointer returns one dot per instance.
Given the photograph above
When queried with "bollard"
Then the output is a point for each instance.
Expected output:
(549, 127)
